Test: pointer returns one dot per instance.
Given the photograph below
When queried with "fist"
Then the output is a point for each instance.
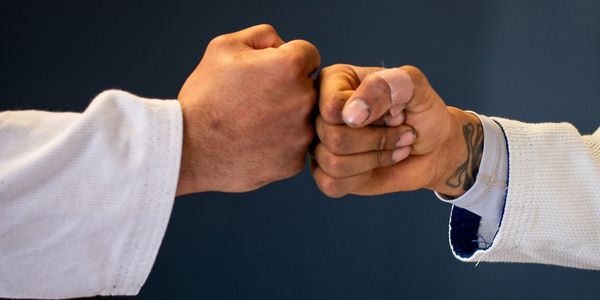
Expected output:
(246, 110)
(387, 130)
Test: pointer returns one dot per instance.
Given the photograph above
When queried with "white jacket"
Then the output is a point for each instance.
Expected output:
(552, 209)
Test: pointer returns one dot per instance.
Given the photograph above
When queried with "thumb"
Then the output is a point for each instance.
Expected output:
(380, 92)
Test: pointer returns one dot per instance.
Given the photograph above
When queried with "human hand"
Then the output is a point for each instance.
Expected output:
(246, 110)
(387, 130)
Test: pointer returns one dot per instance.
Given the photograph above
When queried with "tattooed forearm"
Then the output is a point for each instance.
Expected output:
(466, 173)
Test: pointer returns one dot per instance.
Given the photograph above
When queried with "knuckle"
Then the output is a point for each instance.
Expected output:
(330, 187)
(413, 69)
(331, 109)
(326, 71)
(330, 112)
(333, 140)
(304, 44)
(335, 166)
(326, 159)
(294, 64)
(220, 40)
(266, 28)
(416, 75)
(378, 83)
(328, 68)
(313, 50)
(333, 68)
(301, 54)
(370, 77)
(310, 46)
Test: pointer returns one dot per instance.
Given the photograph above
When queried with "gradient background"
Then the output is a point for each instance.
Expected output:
(528, 60)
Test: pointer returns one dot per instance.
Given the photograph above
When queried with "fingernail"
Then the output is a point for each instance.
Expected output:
(406, 138)
(400, 154)
(356, 112)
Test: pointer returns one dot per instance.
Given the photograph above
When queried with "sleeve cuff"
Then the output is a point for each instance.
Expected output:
(486, 197)
(152, 203)
(476, 215)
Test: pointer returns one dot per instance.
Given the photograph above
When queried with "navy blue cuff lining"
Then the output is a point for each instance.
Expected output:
(464, 232)
(464, 225)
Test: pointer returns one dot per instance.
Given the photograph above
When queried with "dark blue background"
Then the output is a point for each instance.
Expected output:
(528, 60)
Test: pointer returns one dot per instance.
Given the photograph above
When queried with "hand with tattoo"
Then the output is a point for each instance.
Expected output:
(387, 130)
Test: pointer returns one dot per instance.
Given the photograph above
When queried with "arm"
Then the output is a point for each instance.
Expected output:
(85, 198)
(552, 207)
(551, 214)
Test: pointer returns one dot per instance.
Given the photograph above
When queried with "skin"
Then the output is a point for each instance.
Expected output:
(440, 150)
(246, 112)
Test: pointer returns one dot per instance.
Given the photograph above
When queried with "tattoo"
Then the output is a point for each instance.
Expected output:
(467, 172)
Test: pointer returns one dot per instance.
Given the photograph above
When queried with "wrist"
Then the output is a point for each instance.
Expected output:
(186, 184)
(191, 150)
(461, 154)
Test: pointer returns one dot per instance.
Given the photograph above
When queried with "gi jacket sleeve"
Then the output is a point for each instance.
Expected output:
(85, 198)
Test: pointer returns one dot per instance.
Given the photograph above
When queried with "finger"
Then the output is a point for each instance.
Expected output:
(422, 89)
(394, 119)
(336, 84)
(341, 166)
(303, 55)
(338, 187)
(404, 176)
(376, 94)
(342, 140)
(259, 37)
